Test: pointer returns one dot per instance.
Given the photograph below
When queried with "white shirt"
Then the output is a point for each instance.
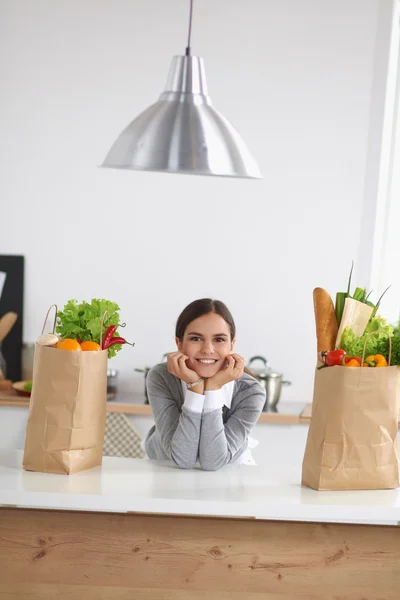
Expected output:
(210, 400)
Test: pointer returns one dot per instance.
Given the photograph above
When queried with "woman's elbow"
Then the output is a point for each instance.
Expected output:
(211, 464)
(182, 461)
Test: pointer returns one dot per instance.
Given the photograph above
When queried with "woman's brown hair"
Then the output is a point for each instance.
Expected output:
(201, 307)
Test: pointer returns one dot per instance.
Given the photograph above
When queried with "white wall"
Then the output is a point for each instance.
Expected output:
(377, 211)
(387, 253)
(296, 79)
(390, 256)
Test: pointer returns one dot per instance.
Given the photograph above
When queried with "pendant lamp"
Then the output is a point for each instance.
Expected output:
(183, 132)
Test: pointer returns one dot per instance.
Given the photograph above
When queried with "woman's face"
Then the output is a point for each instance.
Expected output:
(207, 342)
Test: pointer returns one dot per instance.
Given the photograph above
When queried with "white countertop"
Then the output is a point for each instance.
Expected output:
(270, 492)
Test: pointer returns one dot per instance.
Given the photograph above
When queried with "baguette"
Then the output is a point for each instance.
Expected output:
(325, 320)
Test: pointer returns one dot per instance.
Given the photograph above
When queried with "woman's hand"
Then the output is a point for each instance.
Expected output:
(233, 370)
(177, 366)
(176, 362)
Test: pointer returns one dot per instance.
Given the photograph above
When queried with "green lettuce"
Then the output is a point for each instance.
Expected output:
(376, 344)
(395, 350)
(83, 321)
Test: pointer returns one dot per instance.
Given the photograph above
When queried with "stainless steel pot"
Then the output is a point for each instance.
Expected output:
(145, 372)
(271, 380)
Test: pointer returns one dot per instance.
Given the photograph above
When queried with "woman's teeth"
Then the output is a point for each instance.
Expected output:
(206, 362)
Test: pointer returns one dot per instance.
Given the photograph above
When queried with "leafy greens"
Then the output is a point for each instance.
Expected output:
(376, 344)
(83, 321)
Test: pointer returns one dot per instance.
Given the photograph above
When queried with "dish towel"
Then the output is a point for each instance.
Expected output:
(121, 438)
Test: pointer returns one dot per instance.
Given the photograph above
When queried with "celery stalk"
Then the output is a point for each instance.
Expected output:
(360, 294)
(339, 305)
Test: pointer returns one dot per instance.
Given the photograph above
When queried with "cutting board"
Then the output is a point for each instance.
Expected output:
(7, 322)
(12, 300)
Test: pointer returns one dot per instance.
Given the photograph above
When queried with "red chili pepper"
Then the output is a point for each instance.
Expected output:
(335, 357)
(117, 340)
(79, 340)
(107, 336)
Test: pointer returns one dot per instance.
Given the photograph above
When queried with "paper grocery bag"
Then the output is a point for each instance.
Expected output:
(67, 412)
(352, 439)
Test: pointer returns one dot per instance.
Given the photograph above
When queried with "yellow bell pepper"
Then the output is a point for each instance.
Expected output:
(353, 363)
(376, 360)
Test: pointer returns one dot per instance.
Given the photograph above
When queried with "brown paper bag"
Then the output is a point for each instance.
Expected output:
(67, 411)
(352, 440)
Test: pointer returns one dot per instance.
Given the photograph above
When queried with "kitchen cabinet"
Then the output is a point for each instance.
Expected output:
(275, 432)
(275, 439)
(143, 529)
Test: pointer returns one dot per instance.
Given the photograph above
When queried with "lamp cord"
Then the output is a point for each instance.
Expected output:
(187, 52)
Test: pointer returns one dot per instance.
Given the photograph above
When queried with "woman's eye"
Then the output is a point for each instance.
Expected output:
(194, 338)
(220, 340)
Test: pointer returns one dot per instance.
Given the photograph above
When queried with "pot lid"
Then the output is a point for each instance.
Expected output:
(262, 370)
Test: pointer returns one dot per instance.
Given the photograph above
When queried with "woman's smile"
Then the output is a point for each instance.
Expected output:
(207, 361)
(206, 367)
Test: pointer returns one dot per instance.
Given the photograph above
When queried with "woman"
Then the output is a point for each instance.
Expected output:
(204, 405)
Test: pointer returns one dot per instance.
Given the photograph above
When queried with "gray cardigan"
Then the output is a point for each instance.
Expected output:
(214, 438)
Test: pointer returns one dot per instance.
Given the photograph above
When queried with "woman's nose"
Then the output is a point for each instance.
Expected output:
(207, 347)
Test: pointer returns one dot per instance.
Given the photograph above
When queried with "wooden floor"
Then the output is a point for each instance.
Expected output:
(51, 555)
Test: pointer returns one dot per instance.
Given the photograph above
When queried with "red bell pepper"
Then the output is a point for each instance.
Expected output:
(334, 358)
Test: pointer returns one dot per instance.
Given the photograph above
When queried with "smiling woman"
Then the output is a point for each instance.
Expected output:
(204, 404)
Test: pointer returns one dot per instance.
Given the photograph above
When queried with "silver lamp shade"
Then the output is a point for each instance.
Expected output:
(183, 132)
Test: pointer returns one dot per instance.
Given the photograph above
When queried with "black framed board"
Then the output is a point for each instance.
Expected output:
(12, 299)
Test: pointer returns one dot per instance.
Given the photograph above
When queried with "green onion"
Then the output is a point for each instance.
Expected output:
(349, 283)
(341, 297)
(379, 301)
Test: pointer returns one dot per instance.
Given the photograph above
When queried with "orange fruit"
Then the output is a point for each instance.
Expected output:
(69, 344)
(90, 346)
